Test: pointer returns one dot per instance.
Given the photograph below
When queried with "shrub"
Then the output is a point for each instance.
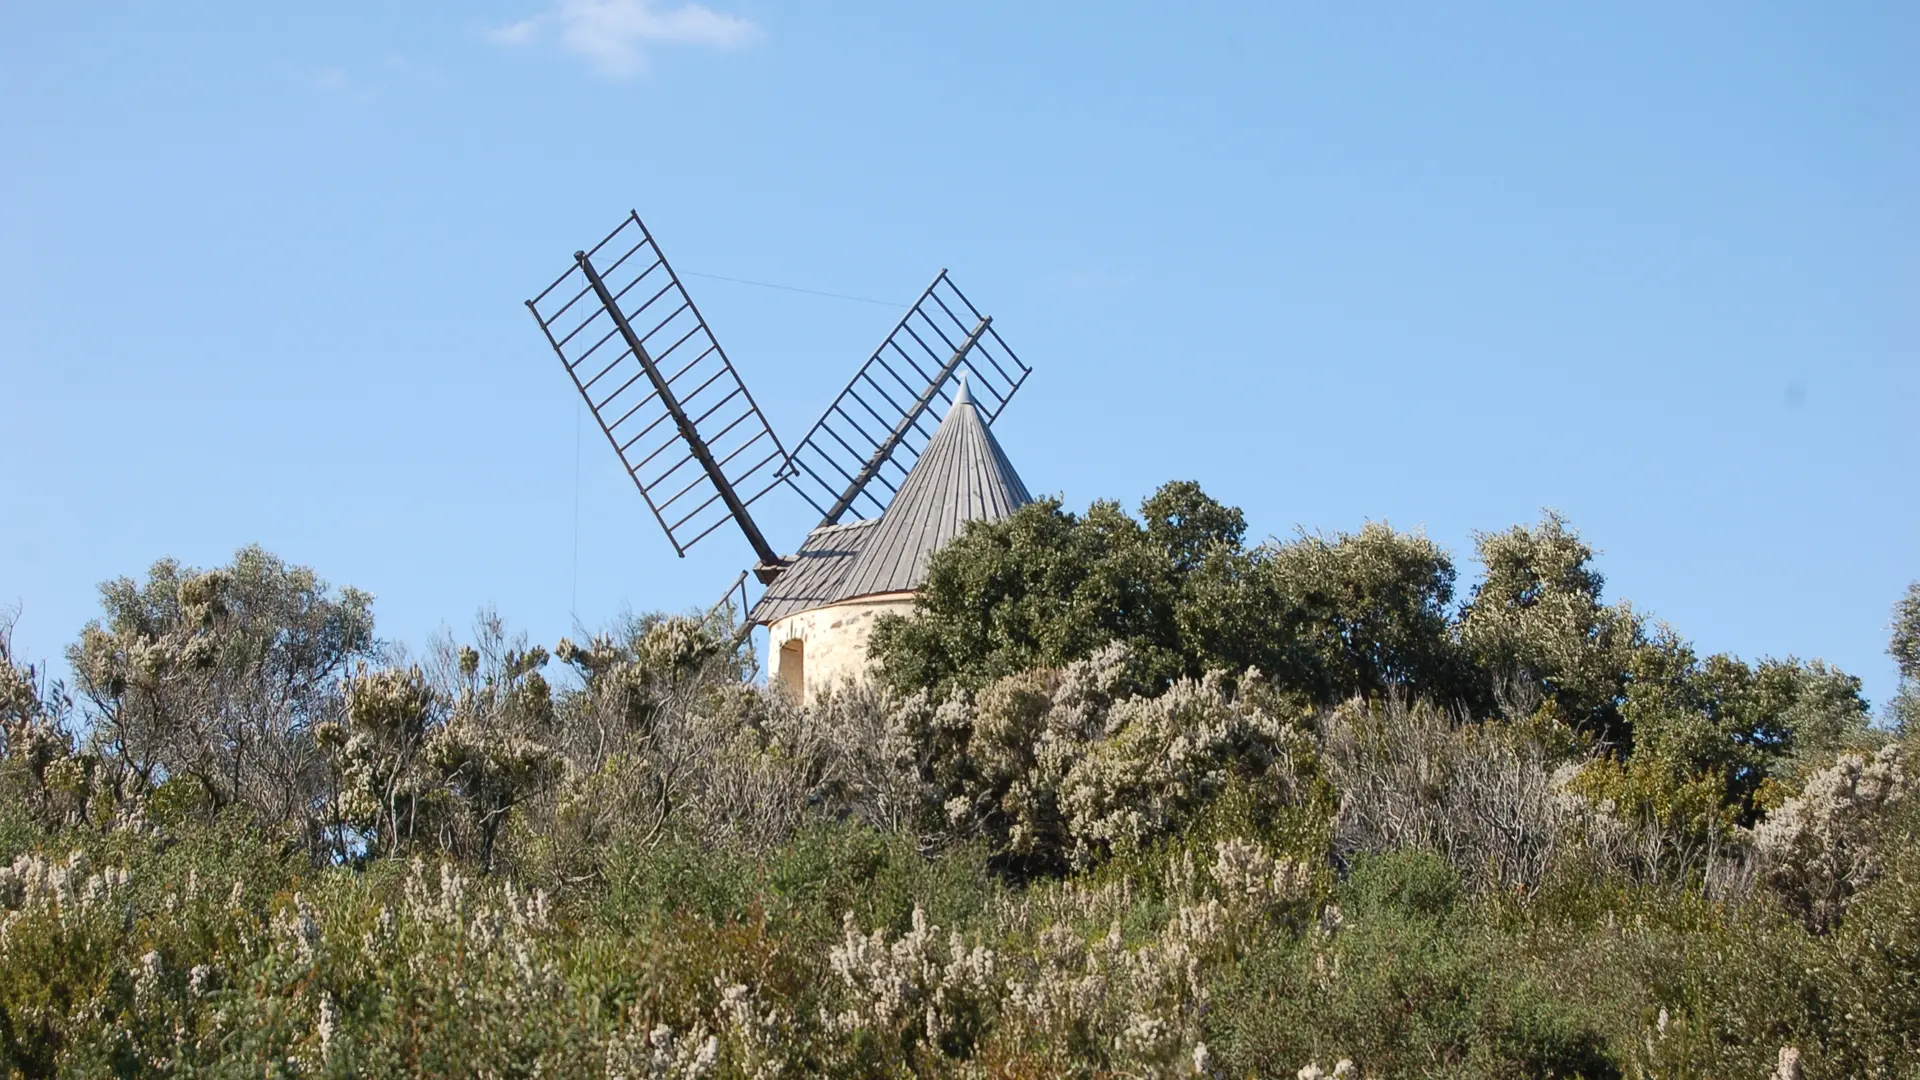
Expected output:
(1404, 983)
(1821, 846)
(1059, 769)
(1410, 776)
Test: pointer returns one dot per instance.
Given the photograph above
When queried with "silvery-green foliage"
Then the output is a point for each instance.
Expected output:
(439, 974)
(660, 1053)
(379, 787)
(219, 678)
(873, 756)
(772, 767)
(659, 737)
(920, 993)
(991, 764)
(39, 766)
(493, 754)
(1904, 647)
(1065, 767)
(444, 756)
(1823, 845)
(20, 701)
(52, 908)
(1064, 990)
(1159, 761)
(1085, 992)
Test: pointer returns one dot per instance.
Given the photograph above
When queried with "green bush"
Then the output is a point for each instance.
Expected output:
(1405, 980)
(250, 851)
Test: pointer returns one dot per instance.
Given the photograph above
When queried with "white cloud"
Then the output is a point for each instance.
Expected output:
(616, 35)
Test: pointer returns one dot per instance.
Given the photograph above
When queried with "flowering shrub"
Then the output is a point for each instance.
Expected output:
(918, 990)
(1066, 768)
(645, 867)
(1069, 992)
(1822, 845)
(1161, 760)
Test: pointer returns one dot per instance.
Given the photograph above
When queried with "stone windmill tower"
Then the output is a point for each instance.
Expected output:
(820, 612)
(695, 443)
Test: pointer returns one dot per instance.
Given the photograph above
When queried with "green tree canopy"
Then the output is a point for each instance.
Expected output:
(1905, 650)
(1325, 617)
(1536, 618)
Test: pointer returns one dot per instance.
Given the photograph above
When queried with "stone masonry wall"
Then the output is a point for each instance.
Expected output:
(821, 648)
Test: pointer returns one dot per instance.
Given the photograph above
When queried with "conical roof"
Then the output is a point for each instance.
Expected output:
(963, 475)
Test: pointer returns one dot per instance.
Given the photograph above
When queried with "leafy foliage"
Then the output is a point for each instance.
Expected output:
(1905, 650)
(1323, 617)
(216, 680)
(1064, 769)
(1159, 803)
(1692, 743)
(1537, 618)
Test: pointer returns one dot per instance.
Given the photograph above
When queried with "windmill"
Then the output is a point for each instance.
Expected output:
(692, 438)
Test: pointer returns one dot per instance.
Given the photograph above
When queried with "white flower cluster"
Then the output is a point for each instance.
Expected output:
(146, 977)
(447, 905)
(1163, 757)
(326, 1024)
(1063, 766)
(1822, 845)
(504, 930)
(754, 1039)
(660, 1053)
(1143, 1005)
(1250, 878)
(34, 882)
(296, 932)
(1080, 990)
(933, 984)
(759, 1035)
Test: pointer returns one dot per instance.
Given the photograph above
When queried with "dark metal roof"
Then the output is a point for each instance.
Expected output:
(817, 573)
(961, 476)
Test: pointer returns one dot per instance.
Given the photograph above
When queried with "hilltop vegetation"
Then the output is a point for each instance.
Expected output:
(1129, 798)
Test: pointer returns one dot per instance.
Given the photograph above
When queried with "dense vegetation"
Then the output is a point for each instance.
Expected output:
(1130, 798)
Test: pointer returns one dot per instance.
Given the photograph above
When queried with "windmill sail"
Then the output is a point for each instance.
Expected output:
(662, 389)
(857, 455)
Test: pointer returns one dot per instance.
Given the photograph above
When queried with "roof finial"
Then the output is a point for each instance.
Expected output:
(963, 398)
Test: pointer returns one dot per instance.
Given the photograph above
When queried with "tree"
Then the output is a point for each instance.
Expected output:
(1190, 525)
(379, 787)
(1734, 726)
(1367, 612)
(1905, 650)
(1037, 589)
(492, 754)
(40, 772)
(1323, 617)
(1537, 618)
(217, 679)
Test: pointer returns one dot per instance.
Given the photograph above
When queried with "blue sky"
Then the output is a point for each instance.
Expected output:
(261, 273)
